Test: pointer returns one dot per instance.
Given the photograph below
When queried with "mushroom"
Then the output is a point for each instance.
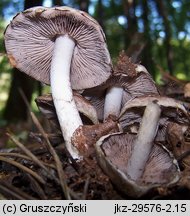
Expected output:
(87, 111)
(172, 111)
(62, 47)
(129, 80)
(134, 163)
(143, 143)
(161, 169)
(114, 93)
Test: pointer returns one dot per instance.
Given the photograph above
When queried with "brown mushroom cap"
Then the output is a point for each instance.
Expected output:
(29, 41)
(46, 106)
(113, 152)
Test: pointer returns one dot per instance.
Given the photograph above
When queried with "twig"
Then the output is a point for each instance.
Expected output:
(55, 138)
(37, 187)
(60, 171)
(24, 99)
(74, 195)
(15, 192)
(170, 77)
(13, 154)
(86, 188)
(24, 168)
(31, 155)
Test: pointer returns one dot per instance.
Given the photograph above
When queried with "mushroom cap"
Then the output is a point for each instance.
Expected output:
(141, 86)
(113, 152)
(30, 37)
(133, 78)
(173, 110)
(87, 111)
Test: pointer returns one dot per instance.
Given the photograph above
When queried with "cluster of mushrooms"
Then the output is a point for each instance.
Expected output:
(115, 113)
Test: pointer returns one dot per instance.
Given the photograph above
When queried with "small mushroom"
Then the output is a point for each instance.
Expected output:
(114, 93)
(172, 110)
(129, 80)
(134, 162)
(85, 108)
(144, 141)
(62, 47)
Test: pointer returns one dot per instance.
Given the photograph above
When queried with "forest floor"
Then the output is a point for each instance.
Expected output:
(34, 164)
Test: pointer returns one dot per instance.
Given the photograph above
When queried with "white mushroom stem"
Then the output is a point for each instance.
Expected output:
(144, 141)
(113, 101)
(114, 95)
(65, 106)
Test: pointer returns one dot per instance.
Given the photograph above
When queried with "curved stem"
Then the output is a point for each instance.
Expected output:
(113, 100)
(65, 106)
(144, 141)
